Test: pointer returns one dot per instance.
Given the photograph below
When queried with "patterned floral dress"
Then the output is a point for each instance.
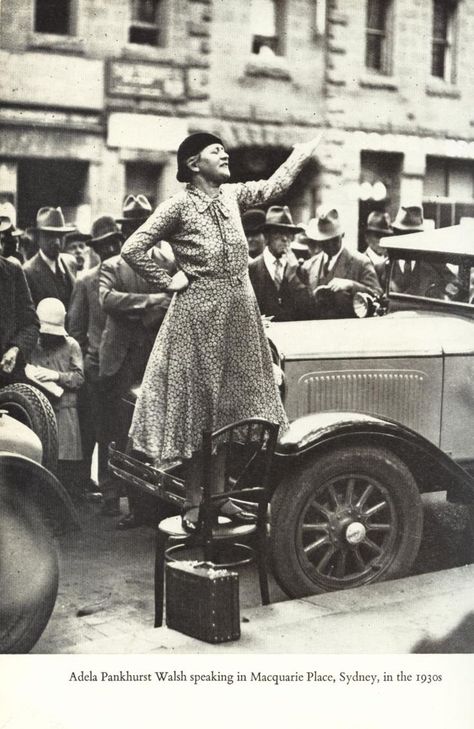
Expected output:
(211, 363)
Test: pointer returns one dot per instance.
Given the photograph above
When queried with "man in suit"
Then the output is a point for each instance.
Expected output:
(134, 312)
(86, 324)
(378, 226)
(19, 325)
(279, 290)
(339, 273)
(421, 278)
(49, 273)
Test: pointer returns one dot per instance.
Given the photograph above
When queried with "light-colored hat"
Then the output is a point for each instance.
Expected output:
(52, 219)
(325, 227)
(135, 208)
(52, 315)
(409, 218)
(8, 219)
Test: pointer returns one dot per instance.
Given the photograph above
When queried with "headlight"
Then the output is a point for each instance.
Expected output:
(363, 305)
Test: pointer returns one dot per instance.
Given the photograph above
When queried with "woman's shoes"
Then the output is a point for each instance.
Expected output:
(190, 520)
(235, 513)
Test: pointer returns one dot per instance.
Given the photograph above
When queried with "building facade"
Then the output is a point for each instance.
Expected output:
(96, 96)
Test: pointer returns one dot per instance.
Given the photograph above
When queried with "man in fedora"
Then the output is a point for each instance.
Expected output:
(378, 226)
(76, 245)
(136, 209)
(86, 324)
(279, 290)
(49, 273)
(9, 234)
(134, 312)
(418, 278)
(252, 222)
(339, 273)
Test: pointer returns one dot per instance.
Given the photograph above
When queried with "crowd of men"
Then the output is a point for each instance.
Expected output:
(87, 321)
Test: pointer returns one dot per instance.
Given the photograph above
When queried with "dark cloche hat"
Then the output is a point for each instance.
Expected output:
(190, 146)
(379, 222)
(279, 216)
(135, 208)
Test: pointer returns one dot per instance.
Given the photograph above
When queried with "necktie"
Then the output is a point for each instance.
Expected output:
(278, 273)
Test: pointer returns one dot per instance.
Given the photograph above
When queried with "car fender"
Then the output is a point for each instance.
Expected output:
(432, 469)
(22, 474)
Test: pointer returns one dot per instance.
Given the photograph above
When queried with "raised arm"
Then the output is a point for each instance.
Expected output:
(164, 223)
(255, 193)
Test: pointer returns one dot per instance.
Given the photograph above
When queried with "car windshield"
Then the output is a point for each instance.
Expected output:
(442, 278)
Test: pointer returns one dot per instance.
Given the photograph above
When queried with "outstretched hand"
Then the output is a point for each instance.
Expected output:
(310, 147)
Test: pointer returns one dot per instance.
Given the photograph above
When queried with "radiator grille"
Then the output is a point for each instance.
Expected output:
(397, 394)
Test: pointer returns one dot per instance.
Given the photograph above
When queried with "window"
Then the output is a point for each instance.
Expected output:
(54, 16)
(267, 27)
(448, 190)
(377, 50)
(146, 21)
(442, 43)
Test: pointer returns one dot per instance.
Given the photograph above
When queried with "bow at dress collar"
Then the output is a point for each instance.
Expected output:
(203, 202)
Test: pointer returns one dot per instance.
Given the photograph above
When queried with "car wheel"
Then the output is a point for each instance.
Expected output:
(28, 405)
(349, 517)
(28, 571)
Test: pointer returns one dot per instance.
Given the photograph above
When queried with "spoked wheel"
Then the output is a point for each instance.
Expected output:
(351, 517)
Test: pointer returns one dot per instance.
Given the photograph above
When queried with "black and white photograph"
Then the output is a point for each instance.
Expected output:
(237, 352)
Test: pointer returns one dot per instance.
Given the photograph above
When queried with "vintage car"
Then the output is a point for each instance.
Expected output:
(34, 508)
(380, 410)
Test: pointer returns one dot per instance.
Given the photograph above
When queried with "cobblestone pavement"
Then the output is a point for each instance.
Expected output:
(108, 575)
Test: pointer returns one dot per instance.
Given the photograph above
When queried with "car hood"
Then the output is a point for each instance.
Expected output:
(399, 334)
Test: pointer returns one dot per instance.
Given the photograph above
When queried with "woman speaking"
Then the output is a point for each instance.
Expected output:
(211, 363)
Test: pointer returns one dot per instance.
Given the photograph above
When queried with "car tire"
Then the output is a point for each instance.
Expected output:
(323, 533)
(28, 405)
(29, 572)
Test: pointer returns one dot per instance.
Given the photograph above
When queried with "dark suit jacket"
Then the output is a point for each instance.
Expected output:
(19, 325)
(43, 282)
(86, 319)
(351, 265)
(131, 319)
(291, 302)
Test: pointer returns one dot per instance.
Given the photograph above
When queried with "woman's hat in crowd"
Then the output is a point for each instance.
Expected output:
(279, 217)
(253, 220)
(52, 219)
(135, 207)
(104, 228)
(189, 147)
(379, 222)
(409, 218)
(52, 315)
(325, 227)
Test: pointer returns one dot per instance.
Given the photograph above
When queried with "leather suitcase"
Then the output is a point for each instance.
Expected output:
(202, 601)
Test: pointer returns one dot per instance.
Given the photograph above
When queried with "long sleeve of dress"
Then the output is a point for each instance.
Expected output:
(162, 224)
(257, 192)
(73, 378)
